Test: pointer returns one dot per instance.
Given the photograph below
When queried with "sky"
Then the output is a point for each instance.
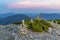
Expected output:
(30, 6)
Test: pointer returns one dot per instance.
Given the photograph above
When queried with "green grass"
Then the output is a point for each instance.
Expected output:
(38, 25)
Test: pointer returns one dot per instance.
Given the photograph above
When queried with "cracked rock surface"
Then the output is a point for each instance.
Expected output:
(17, 32)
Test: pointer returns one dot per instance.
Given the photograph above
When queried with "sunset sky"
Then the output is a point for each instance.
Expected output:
(30, 6)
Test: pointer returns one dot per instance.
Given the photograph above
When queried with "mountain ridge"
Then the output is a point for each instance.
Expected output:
(14, 18)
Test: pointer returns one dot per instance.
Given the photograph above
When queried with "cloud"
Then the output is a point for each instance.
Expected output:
(30, 5)
(26, 4)
(33, 4)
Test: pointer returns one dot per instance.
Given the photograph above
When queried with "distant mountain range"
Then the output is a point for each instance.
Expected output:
(16, 17)
(45, 16)
(6, 15)
(50, 16)
(13, 18)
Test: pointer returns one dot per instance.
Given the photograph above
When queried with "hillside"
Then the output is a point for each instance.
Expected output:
(14, 18)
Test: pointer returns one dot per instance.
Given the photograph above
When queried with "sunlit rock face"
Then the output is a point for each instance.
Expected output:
(19, 32)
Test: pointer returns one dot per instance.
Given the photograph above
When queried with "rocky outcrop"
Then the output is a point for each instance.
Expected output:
(19, 32)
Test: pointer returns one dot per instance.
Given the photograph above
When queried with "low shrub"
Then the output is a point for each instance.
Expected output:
(17, 23)
(37, 25)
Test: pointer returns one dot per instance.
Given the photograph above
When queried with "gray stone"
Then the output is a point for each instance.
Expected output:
(50, 30)
(31, 36)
